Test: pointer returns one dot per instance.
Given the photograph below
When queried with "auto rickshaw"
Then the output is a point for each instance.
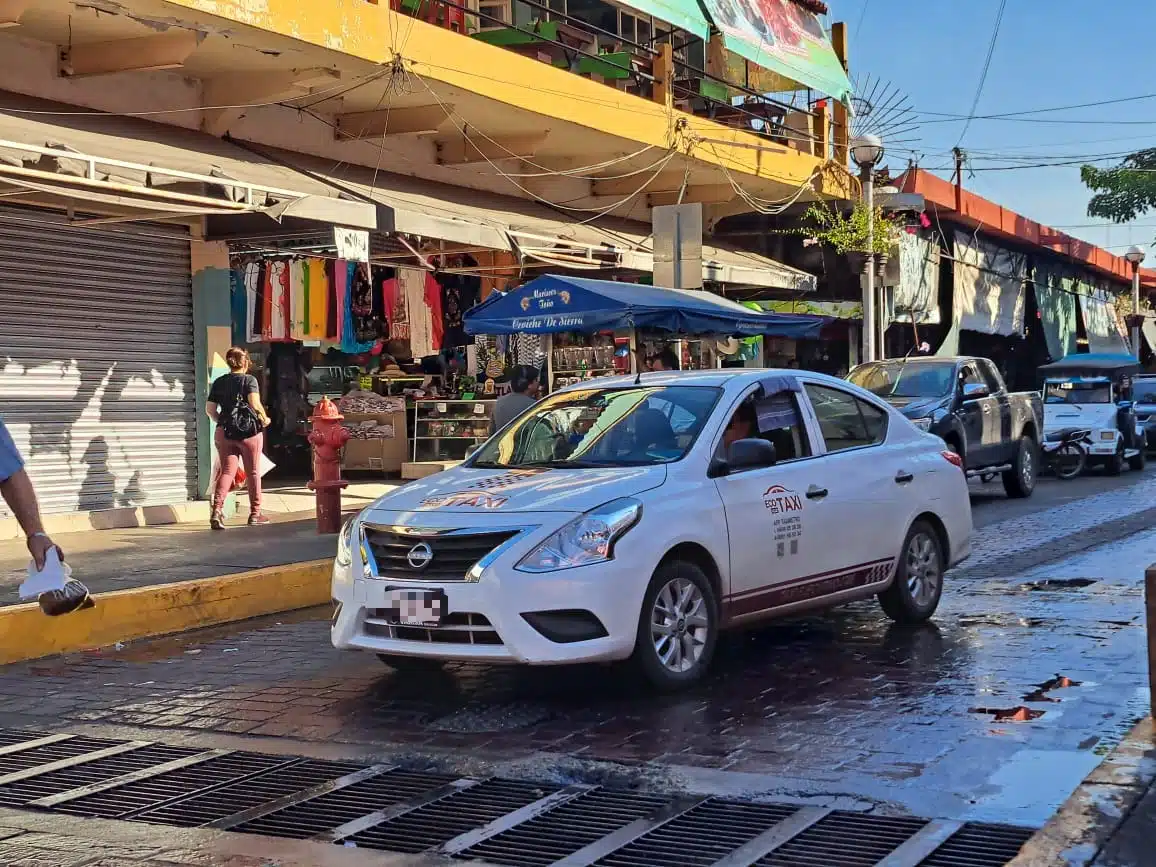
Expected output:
(1088, 401)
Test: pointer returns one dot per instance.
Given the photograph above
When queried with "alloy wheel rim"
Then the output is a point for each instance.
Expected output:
(1027, 469)
(923, 572)
(679, 626)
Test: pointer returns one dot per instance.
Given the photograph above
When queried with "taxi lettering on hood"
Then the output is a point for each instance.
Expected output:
(474, 499)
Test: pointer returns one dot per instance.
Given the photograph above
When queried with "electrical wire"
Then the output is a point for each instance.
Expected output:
(1033, 111)
(986, 68)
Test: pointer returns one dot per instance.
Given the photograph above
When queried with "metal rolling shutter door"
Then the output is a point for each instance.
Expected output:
(96, 360)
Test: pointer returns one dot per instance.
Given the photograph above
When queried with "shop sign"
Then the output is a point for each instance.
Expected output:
(352, 244)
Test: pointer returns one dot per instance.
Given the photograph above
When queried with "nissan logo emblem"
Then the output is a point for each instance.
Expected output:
(419, 556)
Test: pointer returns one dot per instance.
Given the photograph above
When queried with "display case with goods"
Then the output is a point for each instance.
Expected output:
(444, 429)
(376, 425)
(578, 357)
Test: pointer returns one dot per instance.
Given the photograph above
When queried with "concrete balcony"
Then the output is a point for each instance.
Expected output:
(605, 129)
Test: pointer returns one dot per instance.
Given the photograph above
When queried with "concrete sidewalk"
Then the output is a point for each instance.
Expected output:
(109, 560)
(1110, 820)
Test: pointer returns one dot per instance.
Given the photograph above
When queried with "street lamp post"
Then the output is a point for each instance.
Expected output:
(867, 151)
(1135, 255)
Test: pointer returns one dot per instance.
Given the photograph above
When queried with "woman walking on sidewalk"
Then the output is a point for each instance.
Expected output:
(235, 406)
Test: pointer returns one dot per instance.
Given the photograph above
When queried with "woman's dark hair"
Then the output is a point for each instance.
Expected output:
(523, 377)
(236, 358)
(668, 359)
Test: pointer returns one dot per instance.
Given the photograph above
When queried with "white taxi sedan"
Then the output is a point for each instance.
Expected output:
(635, 518)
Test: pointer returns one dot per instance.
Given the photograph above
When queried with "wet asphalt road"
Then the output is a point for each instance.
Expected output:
(1032, 671)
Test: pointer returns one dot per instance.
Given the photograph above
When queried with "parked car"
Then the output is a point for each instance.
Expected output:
(963, 400)
(1144, 396)
(1092, 393)
(635, 519)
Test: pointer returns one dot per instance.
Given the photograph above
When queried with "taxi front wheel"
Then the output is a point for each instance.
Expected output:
(914, 594)
(677, 627)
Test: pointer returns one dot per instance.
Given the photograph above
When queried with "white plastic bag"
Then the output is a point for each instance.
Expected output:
(265, 466)
(54, 576)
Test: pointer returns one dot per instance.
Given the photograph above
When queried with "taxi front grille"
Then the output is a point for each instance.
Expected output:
(450, 555)
(461, 627)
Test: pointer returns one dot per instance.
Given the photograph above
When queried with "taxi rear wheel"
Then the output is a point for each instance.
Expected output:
(914, 594)
(677, 627)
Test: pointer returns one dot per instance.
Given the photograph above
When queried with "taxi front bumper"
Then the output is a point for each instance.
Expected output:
(585, 614)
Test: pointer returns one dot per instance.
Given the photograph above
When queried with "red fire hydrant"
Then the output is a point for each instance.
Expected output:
(328, 438)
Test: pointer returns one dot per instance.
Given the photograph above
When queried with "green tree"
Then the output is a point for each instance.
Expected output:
(1123, 192)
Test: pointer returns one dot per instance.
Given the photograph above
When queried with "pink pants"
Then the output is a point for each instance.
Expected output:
(248, 453)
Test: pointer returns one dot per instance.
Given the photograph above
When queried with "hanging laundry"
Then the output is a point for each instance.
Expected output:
(433, 303)
(395, 305)
(332, 308)
(253, 286)
(318, 300)
(341, 296)
(459, 294)
(349, 338)
(304, 263)
(296, 298)
(267, 293)
(238, 312)
(413, 290)
(279, 288)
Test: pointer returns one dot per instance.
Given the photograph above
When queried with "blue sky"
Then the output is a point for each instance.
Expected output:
(1049, 53)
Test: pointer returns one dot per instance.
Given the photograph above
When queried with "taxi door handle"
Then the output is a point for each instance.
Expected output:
(903, 477)
(816, 493)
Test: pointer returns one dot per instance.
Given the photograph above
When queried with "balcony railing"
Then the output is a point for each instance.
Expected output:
(669, 64)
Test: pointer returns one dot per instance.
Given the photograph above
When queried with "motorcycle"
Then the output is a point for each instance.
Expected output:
(1065, 453)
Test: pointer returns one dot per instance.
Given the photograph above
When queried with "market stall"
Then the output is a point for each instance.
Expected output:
(317, 325)
(582, 320)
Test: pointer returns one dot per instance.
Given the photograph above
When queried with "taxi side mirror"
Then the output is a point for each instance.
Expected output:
(748, 454)
(472, 450)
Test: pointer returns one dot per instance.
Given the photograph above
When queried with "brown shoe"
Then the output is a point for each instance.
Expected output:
(259, 520)
(216, 521)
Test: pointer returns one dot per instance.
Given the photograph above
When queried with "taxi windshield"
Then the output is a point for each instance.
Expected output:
(905, 379)
(601, 427)
(1075, 392)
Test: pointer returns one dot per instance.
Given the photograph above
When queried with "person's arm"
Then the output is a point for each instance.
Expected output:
(254, 398)
(213, 411)
(17, 491)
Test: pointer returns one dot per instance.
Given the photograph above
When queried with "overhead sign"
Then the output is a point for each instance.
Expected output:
(783, 37)
(352, 244)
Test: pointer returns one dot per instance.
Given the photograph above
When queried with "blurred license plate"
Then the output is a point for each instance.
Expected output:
(416, 607)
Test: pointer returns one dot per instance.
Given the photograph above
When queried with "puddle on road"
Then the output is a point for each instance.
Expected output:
(1040, 693)
(1009, 714)
(1059, 584)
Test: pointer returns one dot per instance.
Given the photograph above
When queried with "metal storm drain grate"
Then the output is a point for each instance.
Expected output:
(494, 821)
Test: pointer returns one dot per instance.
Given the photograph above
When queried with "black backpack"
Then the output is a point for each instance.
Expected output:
(240, 422)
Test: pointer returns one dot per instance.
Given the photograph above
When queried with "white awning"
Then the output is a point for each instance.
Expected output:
(131, 169)
(541, 235)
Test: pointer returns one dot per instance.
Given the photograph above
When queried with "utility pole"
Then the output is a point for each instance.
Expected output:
(867, 151)
(1135, 255)
(958, 178)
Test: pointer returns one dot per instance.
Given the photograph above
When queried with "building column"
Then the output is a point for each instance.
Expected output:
(212, 333)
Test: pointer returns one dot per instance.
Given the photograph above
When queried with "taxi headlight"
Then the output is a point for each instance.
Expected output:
(924, 424)
(587, 539)
(1107, 435)
(345, 543)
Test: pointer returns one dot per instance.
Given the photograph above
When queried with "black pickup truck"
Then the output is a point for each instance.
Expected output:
(964, 401)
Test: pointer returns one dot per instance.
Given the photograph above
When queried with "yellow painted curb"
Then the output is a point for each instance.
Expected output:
(142, 612)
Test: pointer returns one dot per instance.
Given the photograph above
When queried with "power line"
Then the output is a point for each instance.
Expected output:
(986, 68)
(1031, 111)
(862, 17)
